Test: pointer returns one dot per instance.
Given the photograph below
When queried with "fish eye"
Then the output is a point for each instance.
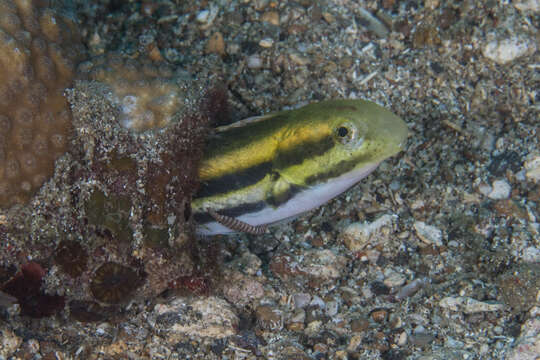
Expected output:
(342, 131)
(345, 133)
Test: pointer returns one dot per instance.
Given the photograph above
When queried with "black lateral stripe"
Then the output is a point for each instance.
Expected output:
(234, 181)
(236, 211)
(340, 168)
(302, 151)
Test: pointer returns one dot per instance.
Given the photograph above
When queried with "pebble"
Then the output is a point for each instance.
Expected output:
(271, 17)
(469, 305)
(524, 5)
(421, 337)
(393, 279)
(532, 168)
(357, 236)
(266, 43)
(359, 325)
(531, 255)
(503, 51)
(301, 300)
(500, 190)
(355, 343)
(428, 234)
(9, 342)
(202, 16)
(240, 289)
(254, 62)
(298, 59)
(411, 288)
(269, 318)
(216, 44)
(379, 316)
(323, 264)
(328, 17)
(248, 263)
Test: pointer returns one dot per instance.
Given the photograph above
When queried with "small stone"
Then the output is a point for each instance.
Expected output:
(328, 17)
(202, 16)
(296, 29)
(216, 44)
(301, 300)
(379, 315)
(501, 190)
(357, 236)
(295, 326)
(503, 51)
(359, 325)
(355, 342)
(323, 264)
(532, 168)
(254, 62)
(241, 289)
(393, 279)
(314, 327)
(332, 308)
(266, 43)
(248, 263)
(428, 234)
(299, 59)
(9, 343)
(320, 348)
(296, 321)
(271, 17)
(401, 339)
(269, 318)
(420, 336)
(526, 5)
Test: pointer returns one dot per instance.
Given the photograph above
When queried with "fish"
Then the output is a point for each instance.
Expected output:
(271, 168)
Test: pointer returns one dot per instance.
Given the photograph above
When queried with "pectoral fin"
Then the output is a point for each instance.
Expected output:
(281, 190)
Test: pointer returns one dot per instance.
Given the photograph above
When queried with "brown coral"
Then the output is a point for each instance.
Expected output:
(38, 53)
(114, 283)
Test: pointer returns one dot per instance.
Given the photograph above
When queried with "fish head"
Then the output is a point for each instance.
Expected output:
(339, 138)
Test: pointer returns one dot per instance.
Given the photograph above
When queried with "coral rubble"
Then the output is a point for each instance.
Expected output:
(39, 51)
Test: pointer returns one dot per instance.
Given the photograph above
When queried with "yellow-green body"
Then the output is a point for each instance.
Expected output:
(265, 169)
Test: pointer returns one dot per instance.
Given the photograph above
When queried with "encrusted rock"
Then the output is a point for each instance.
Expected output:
(206, 317)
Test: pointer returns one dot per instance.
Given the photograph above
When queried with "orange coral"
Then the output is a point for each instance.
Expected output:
(39, 50)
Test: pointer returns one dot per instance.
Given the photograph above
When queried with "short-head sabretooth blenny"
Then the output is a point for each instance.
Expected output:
(266, 169)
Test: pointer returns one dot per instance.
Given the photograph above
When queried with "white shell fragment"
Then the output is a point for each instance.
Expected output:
(469, 305)
(501, 189)
(357, 236)
(503, 51)
(428, 234)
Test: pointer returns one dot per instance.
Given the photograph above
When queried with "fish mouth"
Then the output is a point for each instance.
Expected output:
(391, 132)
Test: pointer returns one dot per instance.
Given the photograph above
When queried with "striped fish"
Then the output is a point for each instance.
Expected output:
(270, 168)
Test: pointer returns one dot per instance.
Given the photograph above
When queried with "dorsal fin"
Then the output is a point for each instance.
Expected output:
(243, 122)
